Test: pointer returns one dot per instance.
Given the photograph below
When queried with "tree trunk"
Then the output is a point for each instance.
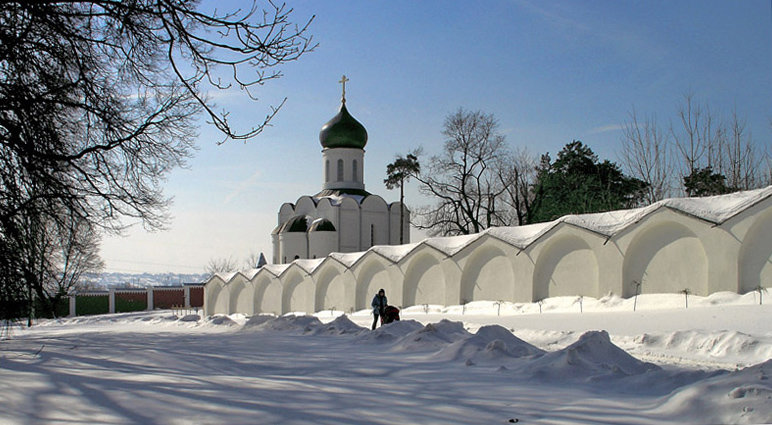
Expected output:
(402, 211)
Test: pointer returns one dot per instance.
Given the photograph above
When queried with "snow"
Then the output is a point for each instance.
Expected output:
(308, 265)
(393, 253)
(338, 199)
(347, 259)
(578, 361)
(450, 245)
(718, 209)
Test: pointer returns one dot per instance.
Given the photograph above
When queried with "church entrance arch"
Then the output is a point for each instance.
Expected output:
(755, 262)
(424, 281)
(665, 257)
(566, 266)
(488, 275)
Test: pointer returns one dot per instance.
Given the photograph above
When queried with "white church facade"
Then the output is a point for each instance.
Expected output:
(343, 216)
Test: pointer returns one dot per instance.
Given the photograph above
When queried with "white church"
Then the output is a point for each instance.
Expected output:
(335, 249)
(343, 216)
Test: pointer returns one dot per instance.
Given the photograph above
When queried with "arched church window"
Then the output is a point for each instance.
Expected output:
(354, 172)
(327, 170)
(340, 170)
(372, 234)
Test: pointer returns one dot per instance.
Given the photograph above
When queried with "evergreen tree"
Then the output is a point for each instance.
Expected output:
(577, 183)
(704, 182)
(397, 173)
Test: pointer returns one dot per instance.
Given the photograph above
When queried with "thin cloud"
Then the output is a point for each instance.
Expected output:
(628, 40)
(243, 186)
(552, 17)
(606, 129)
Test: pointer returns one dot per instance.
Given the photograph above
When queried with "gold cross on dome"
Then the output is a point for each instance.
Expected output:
(343, 81)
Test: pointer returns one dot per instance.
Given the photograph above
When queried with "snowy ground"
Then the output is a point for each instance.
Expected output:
(579, 361)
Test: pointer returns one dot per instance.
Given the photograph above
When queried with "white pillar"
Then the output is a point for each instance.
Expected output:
(187, 295)
(111, 300)
(72, 306)
(149, 298)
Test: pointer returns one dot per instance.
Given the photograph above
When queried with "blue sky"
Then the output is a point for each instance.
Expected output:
(550, 72)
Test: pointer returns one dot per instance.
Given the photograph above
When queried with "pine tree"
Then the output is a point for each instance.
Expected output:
(577, 183)
(397, 173)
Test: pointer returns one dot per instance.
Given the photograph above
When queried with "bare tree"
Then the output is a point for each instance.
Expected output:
(517, 174)
(74, 254)
(743, 166)
(463, 178)
(646, 154)
(702, 147)
(221, 265)
(99, 101)
(55, 254)
(694, 135)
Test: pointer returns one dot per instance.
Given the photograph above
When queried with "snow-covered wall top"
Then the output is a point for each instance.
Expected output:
(715, 210)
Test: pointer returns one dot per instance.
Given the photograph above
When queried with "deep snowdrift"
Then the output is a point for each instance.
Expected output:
(660, 364)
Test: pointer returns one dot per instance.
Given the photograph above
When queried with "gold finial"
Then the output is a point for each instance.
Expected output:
(343, 81)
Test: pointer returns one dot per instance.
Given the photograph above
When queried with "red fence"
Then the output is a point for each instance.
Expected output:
(197, 296)
(119, 300)
(168, 297)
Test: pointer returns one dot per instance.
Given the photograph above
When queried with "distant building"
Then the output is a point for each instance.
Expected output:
(343, 216)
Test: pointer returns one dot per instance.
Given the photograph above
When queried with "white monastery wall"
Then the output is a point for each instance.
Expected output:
(703, 245)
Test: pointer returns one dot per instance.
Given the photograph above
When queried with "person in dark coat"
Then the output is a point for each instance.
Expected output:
(379, 306)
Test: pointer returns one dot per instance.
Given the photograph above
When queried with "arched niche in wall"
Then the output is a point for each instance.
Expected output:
(373, 275)
(488, 274)
(665, 256)
(216, 298)
(241, 295)
(267, 294)
(565, 266)
(297, 292)
(331, 288)
(755, 261)
(424, 281)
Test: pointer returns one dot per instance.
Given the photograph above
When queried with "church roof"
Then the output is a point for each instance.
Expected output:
(343, 131)
(298, 223)
(358, 195)
(322, 225)
(305, 223)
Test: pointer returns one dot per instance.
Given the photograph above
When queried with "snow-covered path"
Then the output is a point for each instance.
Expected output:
(154, 368)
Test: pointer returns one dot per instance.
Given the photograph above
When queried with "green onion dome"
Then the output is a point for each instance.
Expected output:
(343, 131)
